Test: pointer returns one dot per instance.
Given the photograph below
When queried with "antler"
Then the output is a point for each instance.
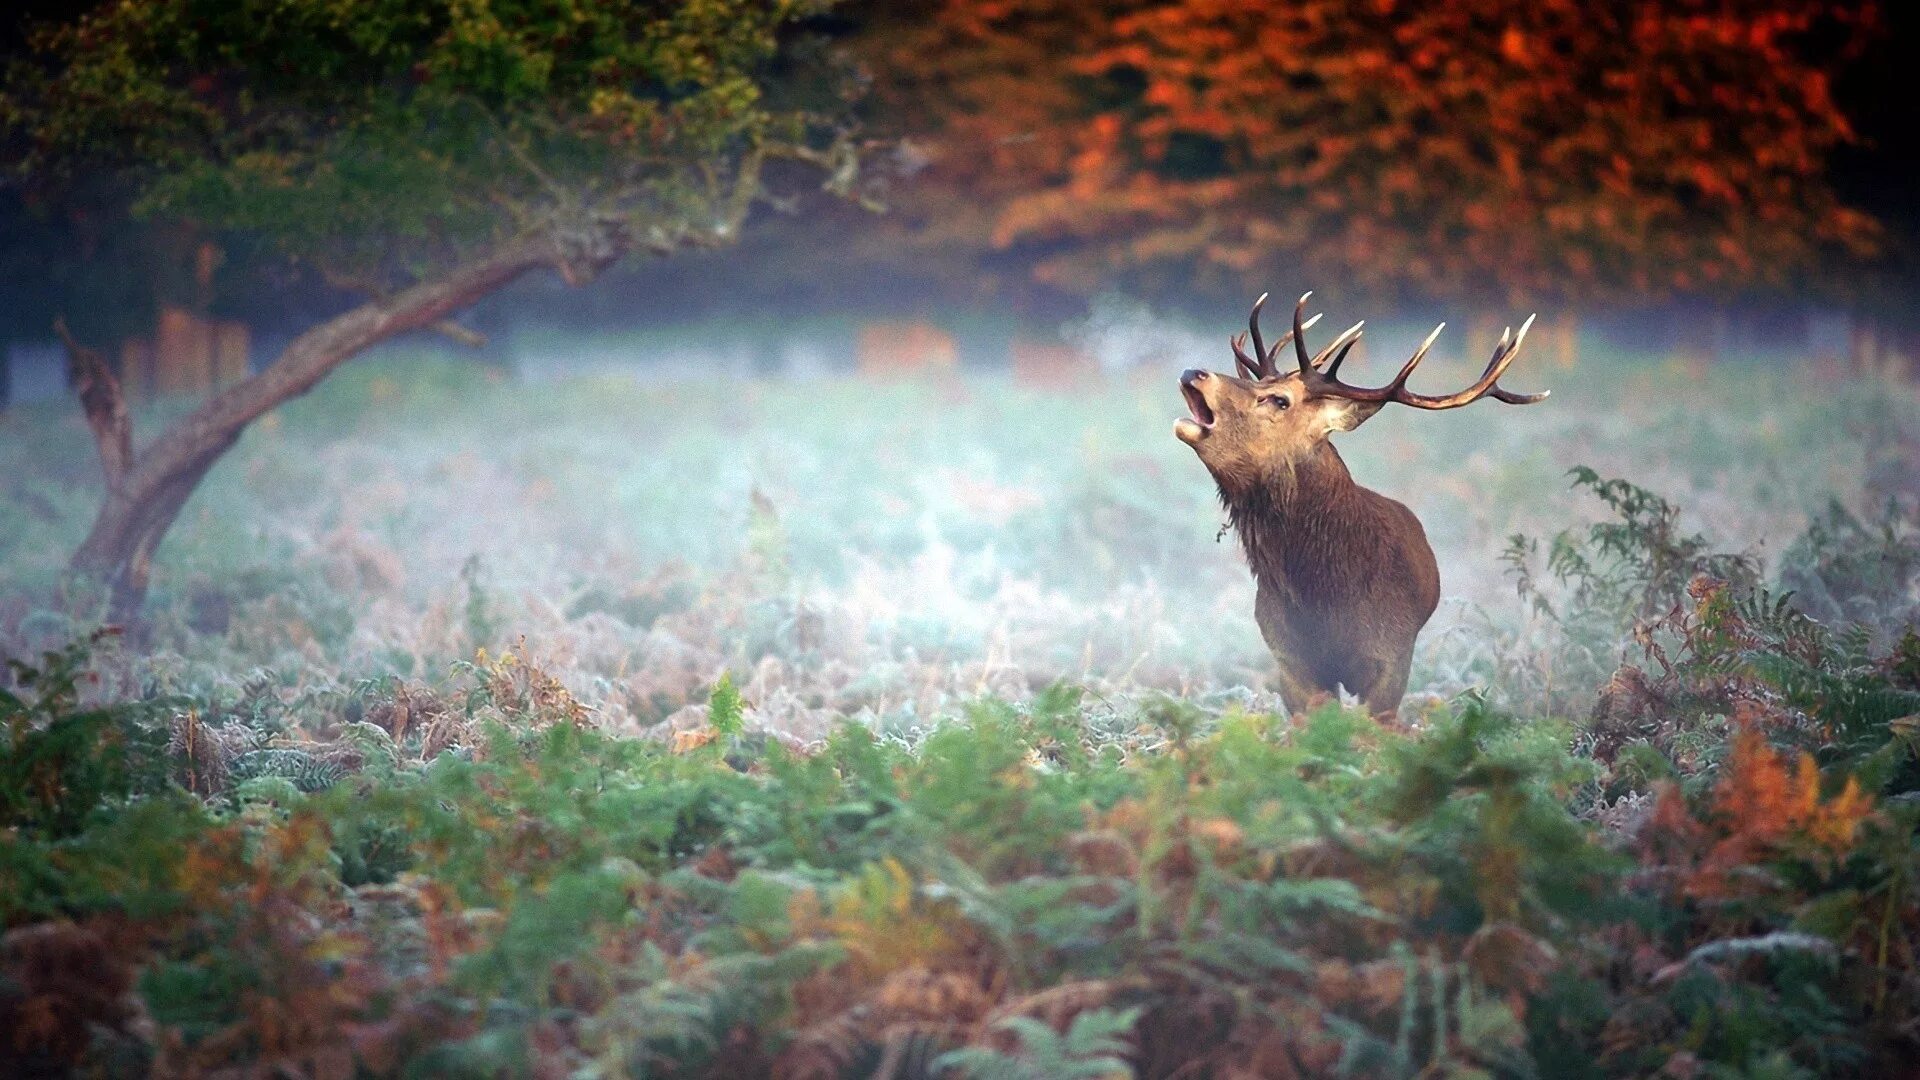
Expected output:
(1260, 364)
(1327, 383)
(1321, 370)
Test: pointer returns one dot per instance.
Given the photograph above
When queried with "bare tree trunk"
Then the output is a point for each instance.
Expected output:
(1698, 334)
(1562, 338)
(1877, 348)
(146, 491)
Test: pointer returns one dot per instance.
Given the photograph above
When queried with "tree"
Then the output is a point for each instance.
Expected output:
(425, 153)
(1493, 151)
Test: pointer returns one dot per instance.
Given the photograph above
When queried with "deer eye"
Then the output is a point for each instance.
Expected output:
(1277, 402)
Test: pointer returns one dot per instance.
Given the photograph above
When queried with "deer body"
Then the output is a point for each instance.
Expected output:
(1345, 577)
(1338, 629)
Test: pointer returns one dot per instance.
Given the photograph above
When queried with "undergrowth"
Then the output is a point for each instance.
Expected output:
(347, 824)
(473, 879)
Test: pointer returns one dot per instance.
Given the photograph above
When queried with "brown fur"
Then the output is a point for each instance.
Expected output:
(1346, 577)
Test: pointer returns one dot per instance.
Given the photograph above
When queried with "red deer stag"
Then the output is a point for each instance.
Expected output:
(1345, 576)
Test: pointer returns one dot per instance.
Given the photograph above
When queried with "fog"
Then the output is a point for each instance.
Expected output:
(646, 509)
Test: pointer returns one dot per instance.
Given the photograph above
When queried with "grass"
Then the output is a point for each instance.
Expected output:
(929, 542)
(831, 729)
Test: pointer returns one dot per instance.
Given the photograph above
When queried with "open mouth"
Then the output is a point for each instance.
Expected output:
(1197, 404)
(1191, 431)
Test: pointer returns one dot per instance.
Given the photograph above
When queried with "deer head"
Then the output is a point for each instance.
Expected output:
(1253, 430)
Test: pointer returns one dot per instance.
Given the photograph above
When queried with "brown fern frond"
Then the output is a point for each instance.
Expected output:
(916, 993)
(828, 1049)
(444, 731)
(203, 752)
(1058, 1005)
(908, 1051)
(1510, 961)
(57, 981)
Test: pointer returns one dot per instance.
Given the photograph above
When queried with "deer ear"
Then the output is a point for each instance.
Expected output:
(1347, 415)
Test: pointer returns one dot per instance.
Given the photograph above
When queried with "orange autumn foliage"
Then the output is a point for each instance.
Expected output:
(1509, 151)
(1763, 809)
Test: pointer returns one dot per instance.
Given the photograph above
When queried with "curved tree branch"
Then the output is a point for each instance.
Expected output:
(146, 491)
(102, 402)
(312, 355)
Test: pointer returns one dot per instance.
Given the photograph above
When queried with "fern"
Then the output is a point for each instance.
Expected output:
(481, 621)
(1094, 1047)
(61, 761)
(1641, 562)
(1061, 887)
(302, 769)
(726, 709)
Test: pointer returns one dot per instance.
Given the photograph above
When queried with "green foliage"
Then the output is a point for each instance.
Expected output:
(1485, 801)
(1092, 1048)
(302, 770)
(130, 862)
(1829, 692)
(469, 873)
(1608, 585)
(376, 136)
(1634, 567)
(60, 761)
(726, 710)
(1844, 569)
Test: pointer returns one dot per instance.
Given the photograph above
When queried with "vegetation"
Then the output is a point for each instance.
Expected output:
(422, 156)
(502, 784)
(917, 730)
(1494, 152)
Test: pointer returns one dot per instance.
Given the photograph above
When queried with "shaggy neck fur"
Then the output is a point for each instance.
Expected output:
(1299, 517)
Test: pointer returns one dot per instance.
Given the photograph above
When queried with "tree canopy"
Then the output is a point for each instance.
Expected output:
(422, 154)
(384, 137)
(1491, 150)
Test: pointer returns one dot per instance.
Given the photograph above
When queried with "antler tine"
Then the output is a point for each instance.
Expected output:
(1420, 354)
(1512, 398)
(1504, 355)
(1508, 396)
(1247, 364)
(1274, 349)
(1347, 337)
(1399, 383)
(1486, 386)
(1259, 345)
(1333, 368)
(1300, 333)
(1260, 365)
(1506, 350)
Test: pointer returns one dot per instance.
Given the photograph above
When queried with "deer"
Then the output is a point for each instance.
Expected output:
(1345, 578)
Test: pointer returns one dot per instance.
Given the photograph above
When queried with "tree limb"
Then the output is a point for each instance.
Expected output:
(584, 248)
(459, 335)
(103, 403)
(314, 354)
(151, 490)
(840, 162)
(447, 328)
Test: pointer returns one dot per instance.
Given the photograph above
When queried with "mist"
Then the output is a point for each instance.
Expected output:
(646, 509)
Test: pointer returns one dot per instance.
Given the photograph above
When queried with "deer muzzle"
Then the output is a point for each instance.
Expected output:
(1191, 430)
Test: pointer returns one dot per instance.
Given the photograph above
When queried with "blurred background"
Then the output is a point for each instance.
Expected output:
(1060, 193)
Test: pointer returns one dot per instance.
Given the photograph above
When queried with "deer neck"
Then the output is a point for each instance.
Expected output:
(1300, 516)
